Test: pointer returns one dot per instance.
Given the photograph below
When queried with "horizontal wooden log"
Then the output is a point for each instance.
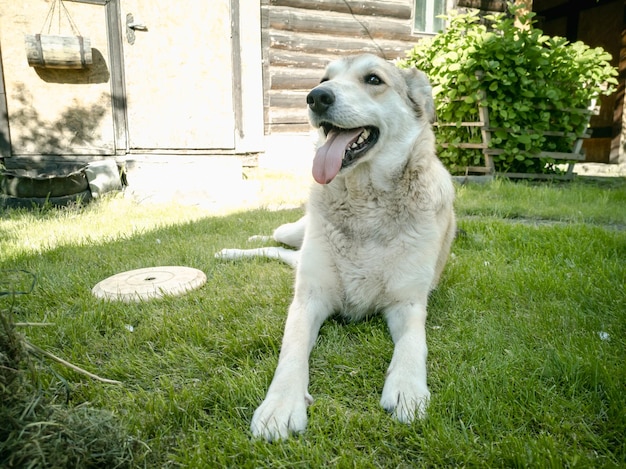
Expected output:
(282, 58)
(333, 46)
(289, 128)
(395, 9)
(279, 115)
(295, 99)
(285, 78)
(340, 24)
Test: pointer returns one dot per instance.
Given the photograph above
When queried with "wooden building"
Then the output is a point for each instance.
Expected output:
(209, 77)
(182, 81)
(598, 23)
(169, 85)
(299, 37)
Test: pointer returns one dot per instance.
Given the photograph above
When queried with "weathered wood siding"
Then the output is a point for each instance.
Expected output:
(299, 37)
(596, 24)
(53, 111)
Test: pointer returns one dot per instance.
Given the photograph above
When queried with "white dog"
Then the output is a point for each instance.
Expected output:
(375, 237)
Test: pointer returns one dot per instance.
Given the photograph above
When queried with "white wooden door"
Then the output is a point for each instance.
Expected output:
(178, 74)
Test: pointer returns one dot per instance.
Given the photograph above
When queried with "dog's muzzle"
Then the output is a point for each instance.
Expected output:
(343, 146)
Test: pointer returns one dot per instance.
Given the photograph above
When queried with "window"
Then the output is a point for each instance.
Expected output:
(426, 13)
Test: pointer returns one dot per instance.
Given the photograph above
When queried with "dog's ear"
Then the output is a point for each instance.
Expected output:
(420, 93)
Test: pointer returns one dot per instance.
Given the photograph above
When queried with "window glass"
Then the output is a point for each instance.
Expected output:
(426, 12)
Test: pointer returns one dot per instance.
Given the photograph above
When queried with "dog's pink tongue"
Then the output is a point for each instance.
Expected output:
(327, 161)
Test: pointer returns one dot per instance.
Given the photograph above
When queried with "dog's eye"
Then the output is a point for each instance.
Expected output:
(324, 79)
(373, 79)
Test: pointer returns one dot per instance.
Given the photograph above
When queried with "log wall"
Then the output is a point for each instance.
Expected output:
(299, 37)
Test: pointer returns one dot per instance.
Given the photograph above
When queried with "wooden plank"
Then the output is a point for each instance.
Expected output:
(237, 71)
(599, 149)
(118, 87)
(460, 124)
(285, 78)
(5, 136)
(340, 24)
(288, 98)
(390, 8)
(291, 128)
(543, 154)
(469, 146)
(483, 113)
(284, 58)
(265, 57)
(280, 115)
(489, 167)
(325, 44)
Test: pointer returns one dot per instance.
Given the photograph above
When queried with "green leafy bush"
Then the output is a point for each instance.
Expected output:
(526, 79)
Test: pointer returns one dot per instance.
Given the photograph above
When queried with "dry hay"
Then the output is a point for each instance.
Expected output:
(36, 432)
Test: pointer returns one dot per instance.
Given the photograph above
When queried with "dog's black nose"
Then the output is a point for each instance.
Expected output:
(320, 99)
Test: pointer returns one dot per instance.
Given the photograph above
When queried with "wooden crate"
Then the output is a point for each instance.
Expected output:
(488, 170)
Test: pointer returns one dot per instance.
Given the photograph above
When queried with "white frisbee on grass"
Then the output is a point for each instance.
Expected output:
(149, 283)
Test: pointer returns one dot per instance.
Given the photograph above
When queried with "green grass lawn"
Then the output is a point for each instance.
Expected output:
(526, 335)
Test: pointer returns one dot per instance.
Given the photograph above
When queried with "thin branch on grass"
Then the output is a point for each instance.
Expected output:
(34, 348)
(33, 324)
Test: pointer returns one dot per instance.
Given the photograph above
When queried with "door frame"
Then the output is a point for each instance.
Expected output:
(116, 63)
(118, 80)
(247, 119)
(118, 94)
(5, 133)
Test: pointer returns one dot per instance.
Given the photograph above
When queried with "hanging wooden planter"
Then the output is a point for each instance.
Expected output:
(52, 51)
(57, 50)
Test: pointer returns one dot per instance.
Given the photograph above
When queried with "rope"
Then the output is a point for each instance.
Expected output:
(58, 5)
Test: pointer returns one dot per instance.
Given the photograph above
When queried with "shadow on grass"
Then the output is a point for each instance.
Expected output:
(526, 339)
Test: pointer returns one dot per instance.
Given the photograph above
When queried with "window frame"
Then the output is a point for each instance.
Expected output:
(426, 12)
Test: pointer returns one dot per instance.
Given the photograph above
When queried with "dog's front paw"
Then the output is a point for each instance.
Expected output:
(406, 397)
(279, 416)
